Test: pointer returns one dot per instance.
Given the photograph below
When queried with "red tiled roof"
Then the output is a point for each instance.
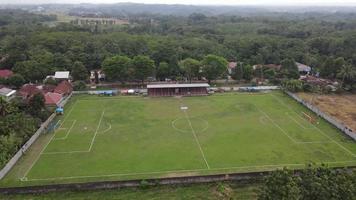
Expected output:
(28, 90)
(64, 88)
(52, 98)
(48, 88)
(5, 73)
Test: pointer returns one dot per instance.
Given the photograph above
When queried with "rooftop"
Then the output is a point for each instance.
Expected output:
(5, 73)
(62, 75)
(6, 92)
(179, 85)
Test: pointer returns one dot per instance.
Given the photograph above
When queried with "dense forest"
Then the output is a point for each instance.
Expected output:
(324, 41)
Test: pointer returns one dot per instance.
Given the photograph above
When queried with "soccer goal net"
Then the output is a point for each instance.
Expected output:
(312, 119)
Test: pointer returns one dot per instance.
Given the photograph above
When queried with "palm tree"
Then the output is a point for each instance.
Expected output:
(5, 107)
(347, 72)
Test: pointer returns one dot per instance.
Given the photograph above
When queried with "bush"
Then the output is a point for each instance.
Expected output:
(79, 85)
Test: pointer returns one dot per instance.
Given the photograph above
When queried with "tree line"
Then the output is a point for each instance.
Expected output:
(324, 42)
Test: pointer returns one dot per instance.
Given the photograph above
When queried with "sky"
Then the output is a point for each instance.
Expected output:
(198, 2)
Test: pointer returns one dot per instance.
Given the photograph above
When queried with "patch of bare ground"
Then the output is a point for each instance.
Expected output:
(180, 174)
(340, 106)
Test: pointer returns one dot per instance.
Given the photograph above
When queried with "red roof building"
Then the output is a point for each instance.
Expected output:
(64, 88)
(28, 90)
(5, 73)
(52, 99)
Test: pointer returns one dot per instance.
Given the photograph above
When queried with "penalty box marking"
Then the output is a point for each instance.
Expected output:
(318, 129)
(25, 179)
(39, 155)
(67, 134)
(286, 133)
(84, 151)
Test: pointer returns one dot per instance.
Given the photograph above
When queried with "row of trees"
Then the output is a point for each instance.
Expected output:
(35, 51)
(18, 122)
(123, 68)
(310, 183)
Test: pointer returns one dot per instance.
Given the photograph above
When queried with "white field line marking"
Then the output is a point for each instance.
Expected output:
(67, 134)
(96, 131)
(196, 138)
(301, 125)
(106, 130)
(322, 132)
(64, 152)
(37, 158)
(91, 143)
(39, 155)
(182, 171)
(280, 128)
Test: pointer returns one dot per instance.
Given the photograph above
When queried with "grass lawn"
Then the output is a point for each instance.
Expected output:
(120, 138)
(194, 191)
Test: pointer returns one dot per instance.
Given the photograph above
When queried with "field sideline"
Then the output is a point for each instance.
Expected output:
(120, 138)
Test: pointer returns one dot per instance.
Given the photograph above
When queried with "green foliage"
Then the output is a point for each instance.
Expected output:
(289, 69)
(79, 85)
(162, 71)
(143, 67)
(293, 85)
(117, 68)
(15, 129)
(79, 72)
(311, 183)
(190, 68)
(16, 80)
(214, 66)
(281, 184)
(50, 81)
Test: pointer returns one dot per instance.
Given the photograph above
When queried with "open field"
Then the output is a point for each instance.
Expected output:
(118, 138)
(341, 107)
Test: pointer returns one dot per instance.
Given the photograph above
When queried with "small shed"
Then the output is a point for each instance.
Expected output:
(194, 89)
(61, 75)
(7, 93)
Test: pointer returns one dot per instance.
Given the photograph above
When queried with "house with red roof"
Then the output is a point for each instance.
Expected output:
(28, 90)
(64, 88)
(5, 73)
(52, 99)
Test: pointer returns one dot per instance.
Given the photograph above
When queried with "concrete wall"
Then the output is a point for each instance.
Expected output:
(328, 118)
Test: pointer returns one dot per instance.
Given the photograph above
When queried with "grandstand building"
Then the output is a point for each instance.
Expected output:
(195, 89)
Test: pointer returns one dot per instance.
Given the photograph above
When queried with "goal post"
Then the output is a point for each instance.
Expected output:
(310, 118)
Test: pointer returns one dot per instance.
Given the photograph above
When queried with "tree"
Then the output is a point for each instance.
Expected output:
(31, 70)
(293, 85)
(5, 107)
(190, 68)
(162, 71)
(280, 184)
(79, 72)
(289, 68)
(143, 67)
(16, 80)
(213, 67)
(347, 72)
(117, 68)
(36, 104)
(247, 72)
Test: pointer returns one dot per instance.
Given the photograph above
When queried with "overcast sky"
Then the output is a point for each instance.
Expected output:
(198, 2)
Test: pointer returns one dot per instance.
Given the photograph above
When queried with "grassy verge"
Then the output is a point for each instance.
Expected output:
(197, 191)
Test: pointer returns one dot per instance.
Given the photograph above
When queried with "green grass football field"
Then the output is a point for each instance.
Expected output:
(119, 138)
